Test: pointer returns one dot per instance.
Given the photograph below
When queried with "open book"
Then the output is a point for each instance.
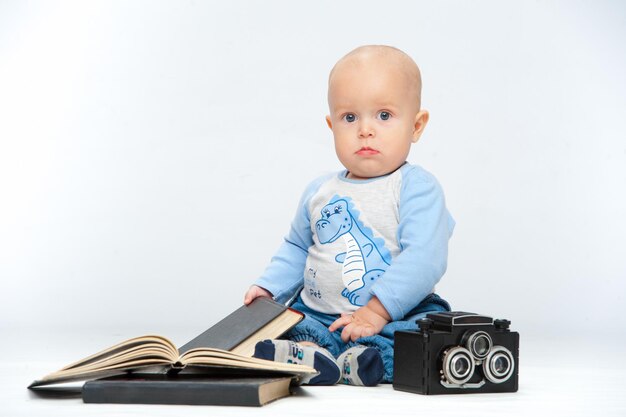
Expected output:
(149, 351)
(229, 344)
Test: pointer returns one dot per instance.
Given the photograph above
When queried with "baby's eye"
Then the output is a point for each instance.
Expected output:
(349, 117)
(384, 115)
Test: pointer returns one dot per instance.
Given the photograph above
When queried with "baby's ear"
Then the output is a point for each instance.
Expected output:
(421, 119)
(329, 123)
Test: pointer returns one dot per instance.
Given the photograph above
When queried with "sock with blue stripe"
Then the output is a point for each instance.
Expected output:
(287, 351)
(361, 365)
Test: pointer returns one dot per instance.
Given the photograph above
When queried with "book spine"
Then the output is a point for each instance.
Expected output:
(148, 393)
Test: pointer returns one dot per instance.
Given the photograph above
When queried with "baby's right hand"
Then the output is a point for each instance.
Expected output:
(254, 292)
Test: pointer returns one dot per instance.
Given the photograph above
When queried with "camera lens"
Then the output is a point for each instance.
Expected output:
(458, 365)
(479, 343)
(499, 365)
(481, 346)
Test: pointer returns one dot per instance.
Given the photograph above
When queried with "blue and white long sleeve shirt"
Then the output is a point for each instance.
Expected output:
(351, 239)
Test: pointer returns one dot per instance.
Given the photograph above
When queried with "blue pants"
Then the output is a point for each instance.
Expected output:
(314, 328)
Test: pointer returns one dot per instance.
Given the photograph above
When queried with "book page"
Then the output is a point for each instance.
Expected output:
(138, 351)
(216, 357)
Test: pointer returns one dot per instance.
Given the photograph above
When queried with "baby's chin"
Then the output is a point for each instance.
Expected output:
(379, 165)
(364, 174)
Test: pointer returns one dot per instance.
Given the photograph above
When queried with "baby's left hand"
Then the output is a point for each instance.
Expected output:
(363, 322)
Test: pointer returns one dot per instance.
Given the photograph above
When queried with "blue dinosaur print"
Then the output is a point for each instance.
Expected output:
(363, 261)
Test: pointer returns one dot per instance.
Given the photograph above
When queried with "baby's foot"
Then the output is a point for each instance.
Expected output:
(361, 365)
(290, 352)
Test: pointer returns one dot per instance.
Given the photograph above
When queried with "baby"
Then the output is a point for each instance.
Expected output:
(368, 244)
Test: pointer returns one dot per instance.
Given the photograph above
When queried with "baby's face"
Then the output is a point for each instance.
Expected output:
(374, 118)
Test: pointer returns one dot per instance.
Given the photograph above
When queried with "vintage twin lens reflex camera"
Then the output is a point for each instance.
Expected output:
(457, 353)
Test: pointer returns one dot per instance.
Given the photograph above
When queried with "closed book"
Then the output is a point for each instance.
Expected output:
(187, 389)
(242, 329)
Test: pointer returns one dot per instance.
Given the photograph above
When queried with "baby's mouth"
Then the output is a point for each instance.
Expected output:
(366, 150)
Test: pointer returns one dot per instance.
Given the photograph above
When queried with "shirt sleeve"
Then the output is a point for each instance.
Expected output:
(285, 273)
(425, 226)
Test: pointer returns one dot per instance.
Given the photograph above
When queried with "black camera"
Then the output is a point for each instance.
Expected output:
(457, 353)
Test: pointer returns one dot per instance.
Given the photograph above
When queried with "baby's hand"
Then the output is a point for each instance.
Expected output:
(363, 322)
(254, 292)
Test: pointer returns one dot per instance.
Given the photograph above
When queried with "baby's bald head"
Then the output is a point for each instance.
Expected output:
(387, 58)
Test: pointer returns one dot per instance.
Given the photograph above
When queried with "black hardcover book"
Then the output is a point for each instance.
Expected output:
(242, 329)
(187, 389)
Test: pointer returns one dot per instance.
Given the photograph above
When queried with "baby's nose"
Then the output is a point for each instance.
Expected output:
(365, 130)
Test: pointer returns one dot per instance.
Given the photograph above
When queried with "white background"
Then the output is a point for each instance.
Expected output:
(152, 154)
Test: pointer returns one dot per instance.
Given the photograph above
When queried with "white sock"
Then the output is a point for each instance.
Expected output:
(287, 351)
(361, 365)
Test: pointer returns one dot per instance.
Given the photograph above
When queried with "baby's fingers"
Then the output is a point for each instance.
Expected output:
(354, 332)
(342, 321)
(348, 333)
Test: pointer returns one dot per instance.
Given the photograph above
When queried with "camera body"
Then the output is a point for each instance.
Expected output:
(457, 353)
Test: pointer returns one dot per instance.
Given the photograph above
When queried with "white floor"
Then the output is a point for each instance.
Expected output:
(558, 377)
